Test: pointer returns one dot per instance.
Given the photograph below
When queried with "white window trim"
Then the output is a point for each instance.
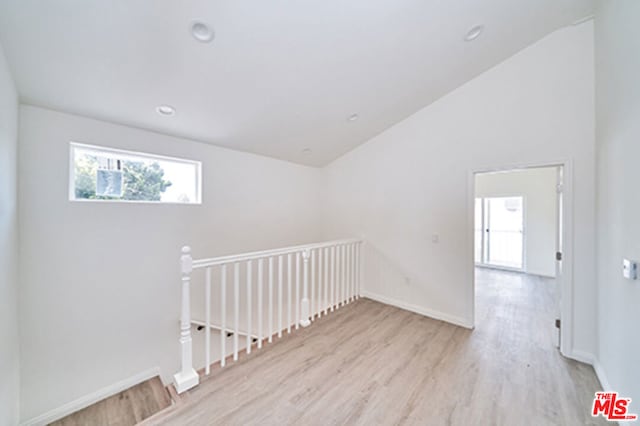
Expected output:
(121, 153)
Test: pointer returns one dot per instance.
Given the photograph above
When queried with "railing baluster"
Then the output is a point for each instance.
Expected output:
(338, 277)
(351, 270)
(270, 307)
(260, 262)
(313, 283)
(345, 271)
(279, 296)
(289, 276)
(249, 306)
(326, 278)
(297, 298)
(357, 271)
(354, 272)
(333, 278)
(318, 307)
(343, 252)
(359, 265)
(354, 268)
(346, 274)
(337, 296)
(223, 315)
(236, 308)
(352, 293)
(304, 305)
(343, 267)
(207, 324)
(356, 263)
(348, 247)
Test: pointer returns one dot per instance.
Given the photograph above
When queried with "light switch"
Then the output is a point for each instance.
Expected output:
(435, 238)
(630, 269)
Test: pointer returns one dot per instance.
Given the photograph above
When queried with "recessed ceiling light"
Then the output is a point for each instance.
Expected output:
(474, 33)
(166, 110)
(307, 151)
(353, 117)
(202, 32)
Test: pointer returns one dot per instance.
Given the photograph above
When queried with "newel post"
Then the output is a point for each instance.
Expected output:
(304, 304)
(187, 377)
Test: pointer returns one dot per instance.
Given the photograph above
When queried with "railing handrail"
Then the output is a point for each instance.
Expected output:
(221, 260)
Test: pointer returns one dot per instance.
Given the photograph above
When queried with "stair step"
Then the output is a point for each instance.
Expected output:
(125, 408)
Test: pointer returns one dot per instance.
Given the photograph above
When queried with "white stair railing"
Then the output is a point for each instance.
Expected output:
(331, 277)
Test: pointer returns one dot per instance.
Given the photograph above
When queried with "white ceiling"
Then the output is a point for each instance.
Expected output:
(280, 76)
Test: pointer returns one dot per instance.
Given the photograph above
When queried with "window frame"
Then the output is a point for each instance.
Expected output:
(128, 153)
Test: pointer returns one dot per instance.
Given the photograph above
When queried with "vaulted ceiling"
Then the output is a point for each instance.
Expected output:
(281, 77)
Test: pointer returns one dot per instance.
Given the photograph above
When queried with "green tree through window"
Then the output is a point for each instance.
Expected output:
(142, 181)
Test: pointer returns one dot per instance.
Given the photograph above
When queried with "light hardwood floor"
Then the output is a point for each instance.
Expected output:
(372, 364)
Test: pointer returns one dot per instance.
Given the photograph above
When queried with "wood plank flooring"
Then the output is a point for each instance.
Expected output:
(372, 364)
(126, 408)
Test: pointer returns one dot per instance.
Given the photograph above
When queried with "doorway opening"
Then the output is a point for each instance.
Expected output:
(519, 226)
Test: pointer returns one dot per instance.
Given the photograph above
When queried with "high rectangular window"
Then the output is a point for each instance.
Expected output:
(107, 174)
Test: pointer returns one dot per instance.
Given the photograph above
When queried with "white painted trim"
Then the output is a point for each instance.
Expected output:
(590, 359)
(417, 309)
(567, 297)
(604, 381)
(130, 154)
(470, 248)
(584, 357)
(92, 398)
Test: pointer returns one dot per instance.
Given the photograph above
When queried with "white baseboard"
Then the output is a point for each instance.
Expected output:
(92, 398)
(582, 356)
(588, 358)
(604, 382)
(417, 309)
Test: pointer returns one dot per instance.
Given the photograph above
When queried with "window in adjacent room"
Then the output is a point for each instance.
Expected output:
(106, 174)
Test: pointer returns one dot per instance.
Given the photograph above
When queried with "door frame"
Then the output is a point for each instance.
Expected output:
(566, 280)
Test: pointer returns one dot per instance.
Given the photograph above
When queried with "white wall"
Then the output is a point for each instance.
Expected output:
(100, 281)
(412, 181)
(538, 187)
(9, 352)
(618, 143)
